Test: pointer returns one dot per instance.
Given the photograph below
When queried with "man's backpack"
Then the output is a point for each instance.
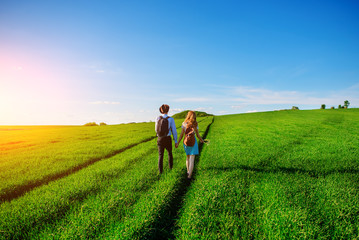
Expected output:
(162, 128)
(189, 139)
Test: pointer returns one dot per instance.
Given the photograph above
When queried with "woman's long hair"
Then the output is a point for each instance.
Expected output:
(191, 119)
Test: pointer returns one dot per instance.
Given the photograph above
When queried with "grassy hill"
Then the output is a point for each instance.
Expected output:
(183, 114)
(274, 175)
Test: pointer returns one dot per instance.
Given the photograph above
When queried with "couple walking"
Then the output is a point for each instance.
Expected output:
(165, 126)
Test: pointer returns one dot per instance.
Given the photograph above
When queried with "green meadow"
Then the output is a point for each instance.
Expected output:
(271, 175)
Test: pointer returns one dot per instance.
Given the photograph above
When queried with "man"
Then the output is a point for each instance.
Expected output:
(165, 126)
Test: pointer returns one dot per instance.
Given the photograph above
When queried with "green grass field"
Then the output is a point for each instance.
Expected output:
(272, 175)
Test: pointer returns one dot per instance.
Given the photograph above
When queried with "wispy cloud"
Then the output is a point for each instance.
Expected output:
(176, 110)
(264, 96)
(18, 68)
(249, 95)
(299, 71)
(223, 112)
(102, 68)
(204, 109)
(105, 102)
(238, 106)
(192, 100)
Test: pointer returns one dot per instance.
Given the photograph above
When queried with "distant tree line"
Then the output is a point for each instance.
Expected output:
(346, 105)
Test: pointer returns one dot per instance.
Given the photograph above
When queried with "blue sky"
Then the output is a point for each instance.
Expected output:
(72, 62)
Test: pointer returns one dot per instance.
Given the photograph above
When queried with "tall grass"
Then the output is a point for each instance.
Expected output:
(274, 175)
(31, 156)
(277, 175)
(94, 201)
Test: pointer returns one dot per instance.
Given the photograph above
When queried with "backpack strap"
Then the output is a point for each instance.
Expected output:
(169, 125)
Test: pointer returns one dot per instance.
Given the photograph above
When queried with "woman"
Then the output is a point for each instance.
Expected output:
(190, 122)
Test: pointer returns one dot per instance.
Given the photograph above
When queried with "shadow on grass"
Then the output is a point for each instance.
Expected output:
(164, 227)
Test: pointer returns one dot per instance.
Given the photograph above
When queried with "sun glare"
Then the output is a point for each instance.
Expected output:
(29, 88)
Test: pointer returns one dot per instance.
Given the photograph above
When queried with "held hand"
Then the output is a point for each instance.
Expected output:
(202, 141)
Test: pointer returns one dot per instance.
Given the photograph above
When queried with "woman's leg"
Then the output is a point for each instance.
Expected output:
(191, 165)
(187, 163)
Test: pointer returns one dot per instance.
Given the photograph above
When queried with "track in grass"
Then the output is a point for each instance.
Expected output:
(164, 226)
(42, 153)
(109, 187)
(49, 205)
(276, 175)
(18, 191)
